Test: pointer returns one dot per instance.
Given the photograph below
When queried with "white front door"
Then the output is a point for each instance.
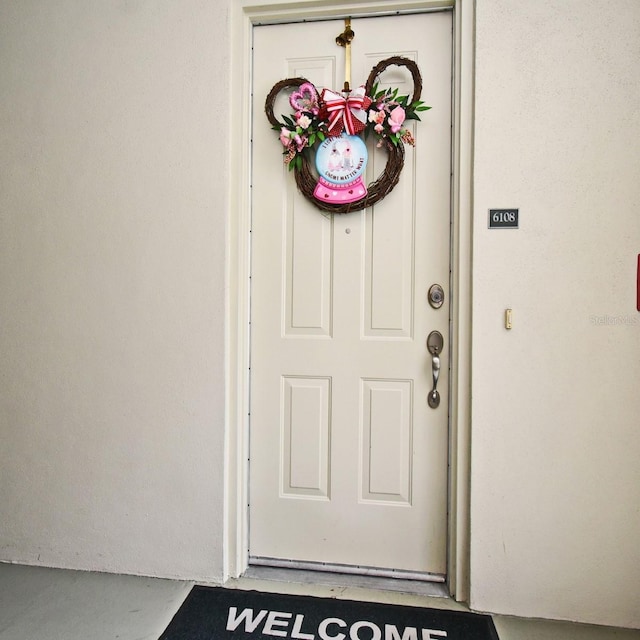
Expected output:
(348, 463)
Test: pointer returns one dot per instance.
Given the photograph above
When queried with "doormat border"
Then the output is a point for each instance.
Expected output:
(220, 613)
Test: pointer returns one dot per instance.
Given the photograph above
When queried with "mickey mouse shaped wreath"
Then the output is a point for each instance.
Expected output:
(331, 123)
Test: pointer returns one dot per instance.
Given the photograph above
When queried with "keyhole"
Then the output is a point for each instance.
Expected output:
(436, 296)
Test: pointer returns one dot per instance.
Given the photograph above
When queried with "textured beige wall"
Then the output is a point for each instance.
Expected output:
(555, 473)
(112, 215)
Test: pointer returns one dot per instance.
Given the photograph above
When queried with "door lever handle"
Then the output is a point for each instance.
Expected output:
(435, 342)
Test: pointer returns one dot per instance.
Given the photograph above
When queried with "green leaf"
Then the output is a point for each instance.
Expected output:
(381, 94)
(423, 108)
(321, 136)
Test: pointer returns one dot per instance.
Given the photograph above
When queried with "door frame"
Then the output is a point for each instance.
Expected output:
(244, 15)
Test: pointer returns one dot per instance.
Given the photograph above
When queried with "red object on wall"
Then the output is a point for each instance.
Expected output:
(638, 285)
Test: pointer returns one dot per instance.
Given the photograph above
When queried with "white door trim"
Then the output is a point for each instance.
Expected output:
(244, 14)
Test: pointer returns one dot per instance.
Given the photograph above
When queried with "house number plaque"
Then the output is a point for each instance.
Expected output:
(503, 218)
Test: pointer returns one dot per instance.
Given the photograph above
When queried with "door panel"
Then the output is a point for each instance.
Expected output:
(305, 436)
(348, 463)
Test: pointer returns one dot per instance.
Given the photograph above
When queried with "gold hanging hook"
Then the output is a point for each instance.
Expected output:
(344, 40)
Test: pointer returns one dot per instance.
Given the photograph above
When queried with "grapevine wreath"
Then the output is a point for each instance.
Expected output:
(330, 123)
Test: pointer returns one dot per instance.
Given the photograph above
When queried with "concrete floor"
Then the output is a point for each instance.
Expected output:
(54, 604)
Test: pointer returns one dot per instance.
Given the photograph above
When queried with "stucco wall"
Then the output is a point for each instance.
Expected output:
(556, 480)
(112, 217)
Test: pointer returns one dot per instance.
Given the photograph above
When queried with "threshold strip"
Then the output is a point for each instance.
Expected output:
(346, 569)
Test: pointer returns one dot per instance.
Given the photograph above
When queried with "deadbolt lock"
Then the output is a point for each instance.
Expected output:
(436, 296)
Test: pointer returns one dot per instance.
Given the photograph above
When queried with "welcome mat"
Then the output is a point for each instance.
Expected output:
(215, 613)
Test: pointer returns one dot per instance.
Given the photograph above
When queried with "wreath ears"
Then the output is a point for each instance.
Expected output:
(384, 184)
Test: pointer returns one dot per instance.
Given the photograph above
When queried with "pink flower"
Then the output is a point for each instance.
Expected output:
(396, 118)
(284, 137)
(301, 142)
(378, 128)
(376, 116)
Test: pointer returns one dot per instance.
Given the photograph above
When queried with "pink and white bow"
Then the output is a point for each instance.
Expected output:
(348, 113)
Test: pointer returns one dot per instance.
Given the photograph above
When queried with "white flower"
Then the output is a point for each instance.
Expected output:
(303, 121)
